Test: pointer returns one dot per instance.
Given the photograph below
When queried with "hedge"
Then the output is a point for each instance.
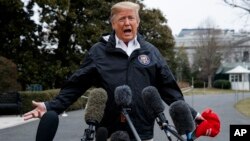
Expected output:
(199, 84)
(28, 96)
(222, 84)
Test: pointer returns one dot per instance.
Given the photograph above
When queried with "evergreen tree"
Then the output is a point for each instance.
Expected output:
(8, 76)
(18, 38)
(183, 70)
(48, 51)
(154, 27)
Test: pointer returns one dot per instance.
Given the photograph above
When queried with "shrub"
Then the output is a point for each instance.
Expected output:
(28, 96)
(8, 76)
(183, 84)
(199, 84)
(222, 84)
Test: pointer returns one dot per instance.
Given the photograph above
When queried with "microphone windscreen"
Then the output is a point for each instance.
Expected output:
(182, 117)
(47, 126)
(123, 95)
(95, 105)
(101, 134)
(119, 136)
(152, 100)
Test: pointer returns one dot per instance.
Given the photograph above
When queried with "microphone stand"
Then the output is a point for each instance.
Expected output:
(125, 113)
(88, 133)
(163, 123)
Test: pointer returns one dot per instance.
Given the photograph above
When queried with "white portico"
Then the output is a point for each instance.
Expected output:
(239, 78)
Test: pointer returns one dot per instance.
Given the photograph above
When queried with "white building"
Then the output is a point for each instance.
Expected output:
(239, 44)
(236, 52)
(239, 78)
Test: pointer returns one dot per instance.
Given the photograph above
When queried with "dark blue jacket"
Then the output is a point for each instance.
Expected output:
(109, 67)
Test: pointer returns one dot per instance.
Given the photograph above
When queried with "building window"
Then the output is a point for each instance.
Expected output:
(245, 56)
(232, 78)
(236, 78)
(237, 57)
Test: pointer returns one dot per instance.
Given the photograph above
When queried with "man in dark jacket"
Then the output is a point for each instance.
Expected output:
(121, 58)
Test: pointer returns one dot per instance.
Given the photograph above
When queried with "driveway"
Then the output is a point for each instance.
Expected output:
(71, 128)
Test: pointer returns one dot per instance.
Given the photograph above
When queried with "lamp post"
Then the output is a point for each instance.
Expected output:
(204, 84)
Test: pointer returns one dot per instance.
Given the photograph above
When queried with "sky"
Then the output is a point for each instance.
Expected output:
(191, 13)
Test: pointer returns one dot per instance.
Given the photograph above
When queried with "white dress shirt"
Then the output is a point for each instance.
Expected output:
(132, 45)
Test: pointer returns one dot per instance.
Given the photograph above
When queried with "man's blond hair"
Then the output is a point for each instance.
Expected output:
(124, 5)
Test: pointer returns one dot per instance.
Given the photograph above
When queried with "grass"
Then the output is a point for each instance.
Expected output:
(199, 91)
(242, 106)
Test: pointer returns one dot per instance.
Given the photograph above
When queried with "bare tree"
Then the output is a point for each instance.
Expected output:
(209, 45)
(244, 5)
(241, 4)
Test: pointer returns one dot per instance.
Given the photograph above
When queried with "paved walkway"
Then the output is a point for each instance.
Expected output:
(7, 121)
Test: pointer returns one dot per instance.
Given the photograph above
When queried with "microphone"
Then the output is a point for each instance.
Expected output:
(182, 118)
(119, 136)
(47, 126)
(123, 98)
(154, 104)
(94, 111)
(101, 134)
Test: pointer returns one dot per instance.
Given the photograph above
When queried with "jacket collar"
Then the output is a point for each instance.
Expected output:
(109, 40)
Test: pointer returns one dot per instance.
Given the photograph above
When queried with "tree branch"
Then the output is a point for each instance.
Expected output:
(232, 4)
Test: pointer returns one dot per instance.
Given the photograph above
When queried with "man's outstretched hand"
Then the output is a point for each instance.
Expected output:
(38, 112)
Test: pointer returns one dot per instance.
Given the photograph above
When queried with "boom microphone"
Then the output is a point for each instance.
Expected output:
(154, 104)
(47, 126)
(182, 118)
(94, 111)
(123, 98)
(101, 134)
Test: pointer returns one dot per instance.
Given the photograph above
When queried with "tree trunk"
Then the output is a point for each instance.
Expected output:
(209, 85)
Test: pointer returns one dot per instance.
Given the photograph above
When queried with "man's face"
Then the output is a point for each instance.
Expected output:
(125, 24)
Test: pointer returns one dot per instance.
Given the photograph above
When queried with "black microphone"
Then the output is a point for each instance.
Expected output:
(47, 126)
(154, 104)
(101, 134)
(94, 111)
(123, 98)
(182, 118)
(119, 136)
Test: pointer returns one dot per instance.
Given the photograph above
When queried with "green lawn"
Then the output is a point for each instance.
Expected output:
(242, 106)
(208, 91)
